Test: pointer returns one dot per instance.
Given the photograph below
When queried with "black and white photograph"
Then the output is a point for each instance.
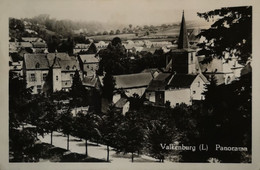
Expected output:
(112, 84)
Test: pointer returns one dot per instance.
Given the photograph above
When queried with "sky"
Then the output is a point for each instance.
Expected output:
(136, 12)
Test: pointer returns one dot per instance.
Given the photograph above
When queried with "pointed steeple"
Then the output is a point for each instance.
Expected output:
(56, 63)
(183, 36)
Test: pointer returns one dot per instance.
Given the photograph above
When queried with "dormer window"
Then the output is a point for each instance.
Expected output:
(68, 67)
(74, 67)
(37, 65)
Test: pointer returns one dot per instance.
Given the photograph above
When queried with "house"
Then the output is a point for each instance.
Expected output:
(154, 71)
(101, 45)
(16, 63)
(131, 84)
(126, 85)
(65, 68)
(80, 48)
(183, 81)
(176, 89)
(91, 82)
(89, 64)
(122, 106)
(32, 39)
(224, 69)
(159, 83)
(36, 68)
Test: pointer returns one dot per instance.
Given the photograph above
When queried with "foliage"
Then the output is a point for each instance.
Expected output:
(78, 92)
(159, 134)
(131, 133)
(231, 32)
(86, 126)
(19, 96)
(109, 87)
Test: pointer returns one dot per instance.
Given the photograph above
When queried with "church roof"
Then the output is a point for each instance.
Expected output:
(182, 80)
(183, 36)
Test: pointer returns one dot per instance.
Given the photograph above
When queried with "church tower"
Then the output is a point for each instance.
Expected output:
(184, 60)
(56, 74)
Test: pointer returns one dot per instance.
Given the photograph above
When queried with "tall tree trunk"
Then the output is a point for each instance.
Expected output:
(107, 153)
(68, 139)
(86, 147)
(132, 156)
(51, 137)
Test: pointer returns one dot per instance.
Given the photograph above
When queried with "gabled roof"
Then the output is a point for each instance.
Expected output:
(151, 70)
(160, 82)
(133, 80)
(36, 61)
(89, 81)
(121, 102)
(88, 58)
(82, 46)
(39, 45)
(25, 44)
(61, 56)
(66, 62)
(182, 80)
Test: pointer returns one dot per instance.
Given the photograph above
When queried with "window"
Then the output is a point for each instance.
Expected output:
(68, 67)
(194, 92)
(198, 83)
(71, 75)
(39, 89)
(57, 77)
(191, 57)
(37, 65)
(33, 78)
(44, 76)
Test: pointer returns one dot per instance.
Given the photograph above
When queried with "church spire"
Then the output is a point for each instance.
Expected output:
(183, 36)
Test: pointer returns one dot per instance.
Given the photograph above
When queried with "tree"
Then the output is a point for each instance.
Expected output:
(231, 32)
(78, 92)
(109, 87)
(131, 133)
(19, 98)
(50, 117)
(113, 58)
(117, 31)
(92, 49)
(112, 32)
(130, 26)
(159, 134)
(86, 126)
(110, 125)
(66, 123)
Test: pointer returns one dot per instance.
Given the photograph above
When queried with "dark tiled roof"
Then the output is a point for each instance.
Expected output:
(31, 61)
(133, 80)
(182, 80)
(159, 82)
(16, 57)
